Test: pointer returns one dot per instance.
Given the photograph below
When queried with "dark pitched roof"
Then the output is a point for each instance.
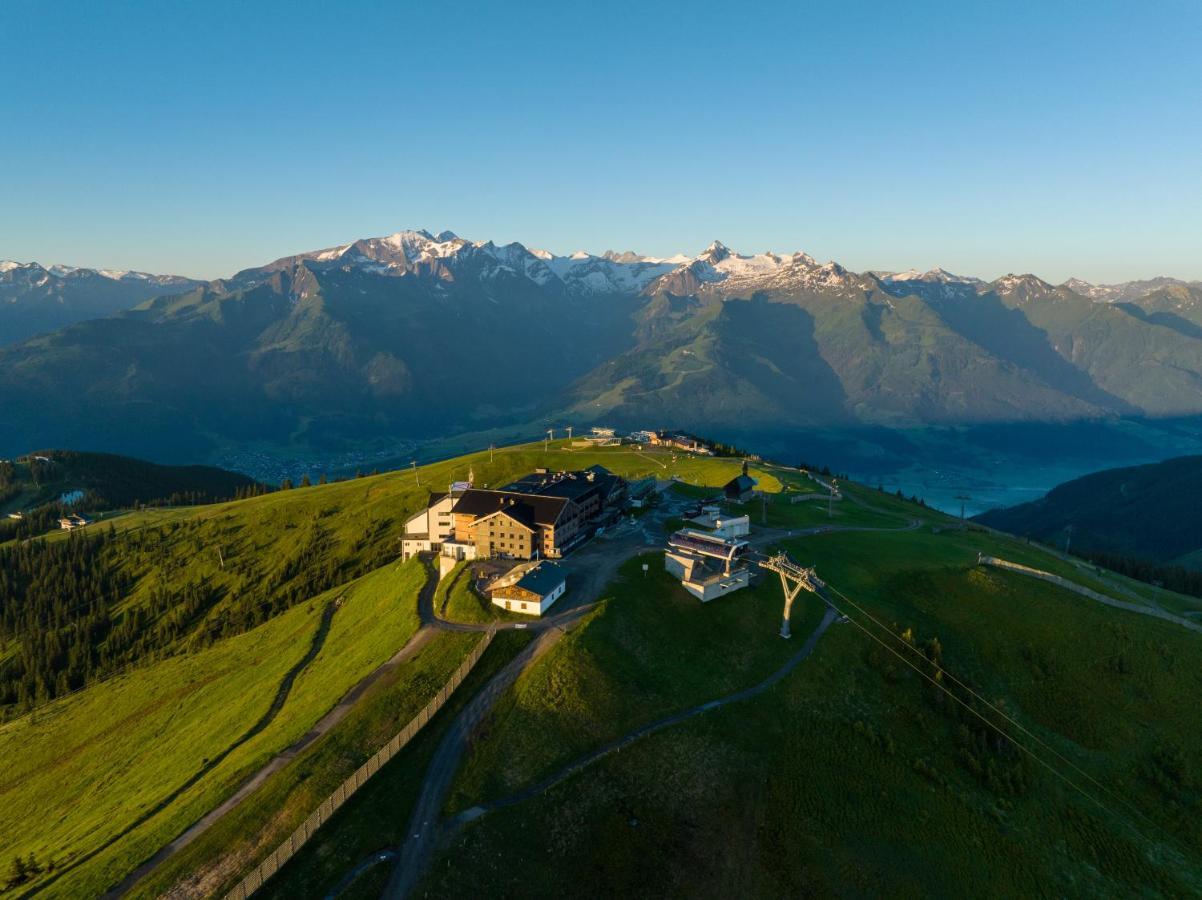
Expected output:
(543, 510)
(542, 579)
(739, 484)
(572, 485)
(519, 512)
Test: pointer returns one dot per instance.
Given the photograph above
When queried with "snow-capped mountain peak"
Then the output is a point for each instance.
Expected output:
(936, 275)
(1125, 291)
(418, 252)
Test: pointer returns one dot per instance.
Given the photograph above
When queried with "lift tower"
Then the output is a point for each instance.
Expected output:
(793, 579)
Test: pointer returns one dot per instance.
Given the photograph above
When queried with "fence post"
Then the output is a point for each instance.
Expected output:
(290, 846)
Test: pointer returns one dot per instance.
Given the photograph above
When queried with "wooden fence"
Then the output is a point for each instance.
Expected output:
(346, 790)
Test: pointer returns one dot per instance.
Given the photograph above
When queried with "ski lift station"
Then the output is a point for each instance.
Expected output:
(708, 565)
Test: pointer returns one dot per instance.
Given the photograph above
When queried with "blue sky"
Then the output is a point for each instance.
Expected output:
(199, 138)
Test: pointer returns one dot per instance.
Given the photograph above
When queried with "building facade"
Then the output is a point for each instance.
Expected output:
(531, 591)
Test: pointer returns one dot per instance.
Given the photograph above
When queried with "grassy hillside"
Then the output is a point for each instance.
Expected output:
(854, 774)
(86, 775)
(217, 860)
(176, 580)
(206, 610)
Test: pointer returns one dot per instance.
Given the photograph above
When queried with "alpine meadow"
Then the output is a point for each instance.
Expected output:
(572, 552)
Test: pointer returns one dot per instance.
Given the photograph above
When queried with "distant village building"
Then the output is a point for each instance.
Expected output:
(73, 521)
(741, 488)
(16, 515)
(531, 590)
(678, 440)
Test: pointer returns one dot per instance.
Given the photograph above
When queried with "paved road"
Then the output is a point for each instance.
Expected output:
(1068, 584)
(593, 568)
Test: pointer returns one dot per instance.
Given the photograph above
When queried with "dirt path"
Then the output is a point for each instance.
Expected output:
(1067, 584)
(323, 725)
(427, 831)
(283, 689)
(469, 815)
(424, 822)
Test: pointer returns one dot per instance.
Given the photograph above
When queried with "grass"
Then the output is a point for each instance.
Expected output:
(377, 816)
(650, 649)
(463, 604)
(215, 862)
(173, 713)
(237, 547)
(850, 776)
(81, 770)
(853, 775)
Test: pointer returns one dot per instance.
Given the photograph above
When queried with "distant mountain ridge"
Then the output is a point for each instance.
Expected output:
(418, 334)
(36, 298)
(1150, 512)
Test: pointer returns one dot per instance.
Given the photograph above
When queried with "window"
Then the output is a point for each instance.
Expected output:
(523, 606)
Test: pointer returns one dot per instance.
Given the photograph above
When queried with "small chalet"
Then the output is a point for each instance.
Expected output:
(533, 590)
(73, 521)
(741, 488)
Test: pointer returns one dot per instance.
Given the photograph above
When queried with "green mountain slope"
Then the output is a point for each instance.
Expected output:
(107, 481)
(813, 785)
(805, 357)
(854, 774)
(392, 341)
(133, 746)
(34, 299)
(322, 358)
(1149, 511)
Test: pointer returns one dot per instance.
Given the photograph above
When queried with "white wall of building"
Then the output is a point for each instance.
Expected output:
(532, 608)
(738, 526)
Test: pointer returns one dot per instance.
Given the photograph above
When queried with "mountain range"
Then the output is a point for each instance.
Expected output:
(418, 335)
(35, 298)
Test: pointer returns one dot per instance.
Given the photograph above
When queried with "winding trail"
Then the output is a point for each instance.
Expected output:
(424, 823)
(283, 689)
(426, 831)
(323, 725)
(828, 618)
(592, 567)
(1060, 581)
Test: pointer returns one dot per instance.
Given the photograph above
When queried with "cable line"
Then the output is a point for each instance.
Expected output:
(1042, 743)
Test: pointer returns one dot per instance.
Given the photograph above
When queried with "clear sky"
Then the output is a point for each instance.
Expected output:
(1063, 138)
